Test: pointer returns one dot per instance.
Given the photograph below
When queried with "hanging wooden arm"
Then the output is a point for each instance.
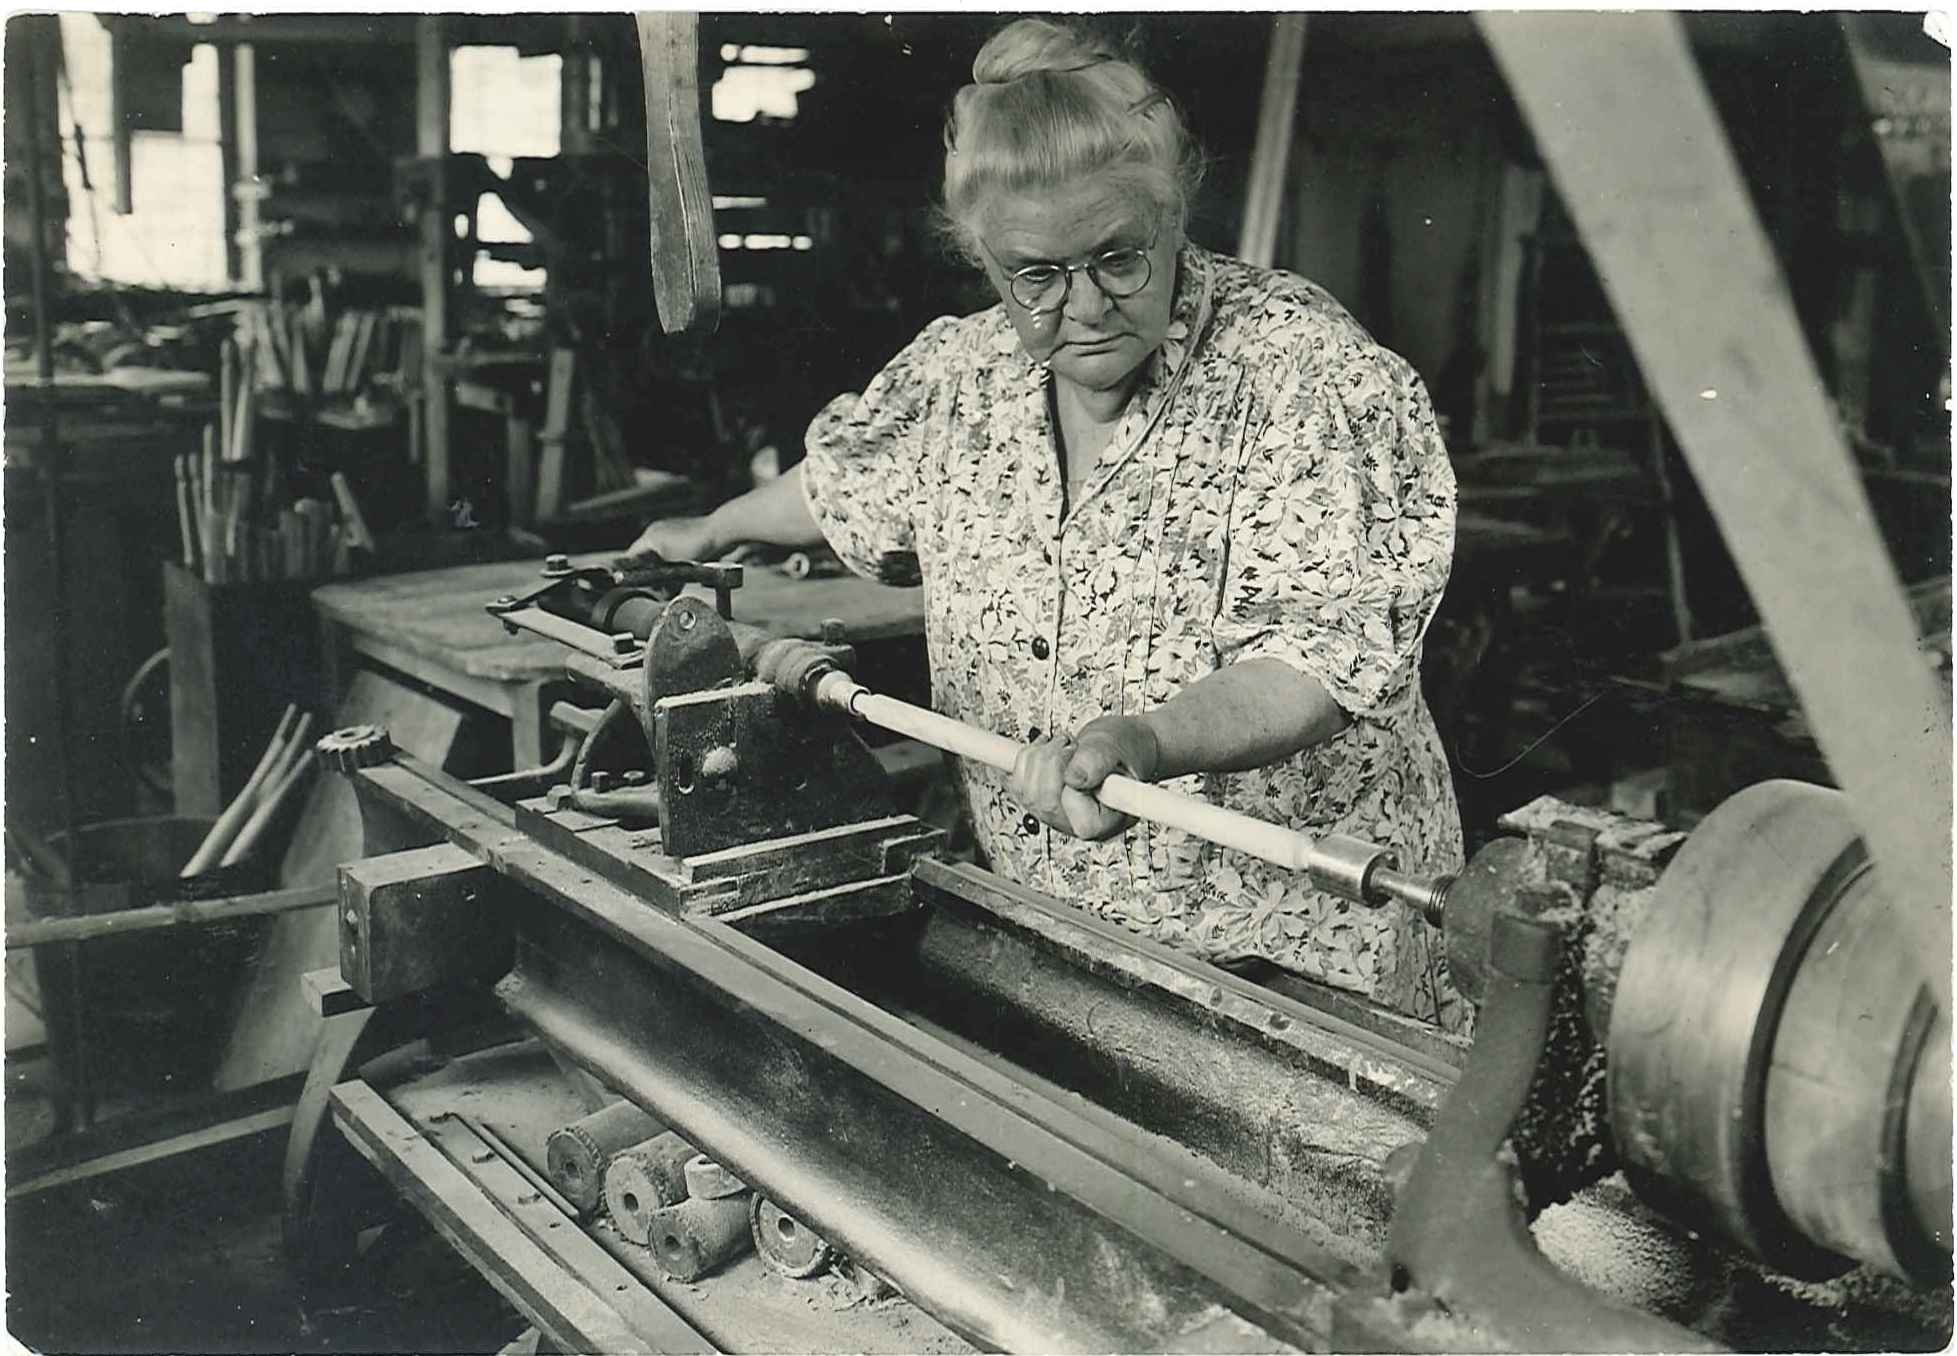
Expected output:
(685, 258)
(1626, 127)
(1270, 159)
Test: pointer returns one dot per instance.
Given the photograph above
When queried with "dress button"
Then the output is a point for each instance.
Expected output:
(1029, 825)
(1040, 648)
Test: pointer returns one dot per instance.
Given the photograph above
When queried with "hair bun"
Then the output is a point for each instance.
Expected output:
(1036, 46)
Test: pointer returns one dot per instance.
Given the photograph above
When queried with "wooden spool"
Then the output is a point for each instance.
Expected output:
(696, 1236)
(785, 1243)
(644, 1179)
(577, 1154)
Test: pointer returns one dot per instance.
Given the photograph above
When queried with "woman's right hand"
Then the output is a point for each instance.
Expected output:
(677, 539)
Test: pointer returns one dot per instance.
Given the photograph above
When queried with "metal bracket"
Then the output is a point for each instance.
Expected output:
(1460, 1232)
(585, 608)
(734, 769)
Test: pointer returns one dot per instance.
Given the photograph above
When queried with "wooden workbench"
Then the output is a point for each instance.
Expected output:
(432, 626)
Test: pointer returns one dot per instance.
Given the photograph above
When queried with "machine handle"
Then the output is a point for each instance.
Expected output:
(1348, 867)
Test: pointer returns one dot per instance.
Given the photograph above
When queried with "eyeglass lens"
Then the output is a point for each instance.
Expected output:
(1119, 273)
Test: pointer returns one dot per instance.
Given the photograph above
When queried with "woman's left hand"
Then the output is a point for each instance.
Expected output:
(1055, 778)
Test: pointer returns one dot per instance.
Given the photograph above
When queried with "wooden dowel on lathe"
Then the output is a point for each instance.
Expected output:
(1228, 828)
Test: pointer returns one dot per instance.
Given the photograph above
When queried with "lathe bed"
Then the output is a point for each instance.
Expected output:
(1043, 1132)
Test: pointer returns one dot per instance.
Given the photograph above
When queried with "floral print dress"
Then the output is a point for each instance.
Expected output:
(1276, 489)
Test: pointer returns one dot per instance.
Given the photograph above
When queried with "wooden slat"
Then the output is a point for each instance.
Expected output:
(136, 1138)
(685, 254)
(156, 1151)
(330, 994)
(1270, 159)
(1636, 148)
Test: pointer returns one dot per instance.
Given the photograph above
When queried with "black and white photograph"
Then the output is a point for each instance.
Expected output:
(944, 681)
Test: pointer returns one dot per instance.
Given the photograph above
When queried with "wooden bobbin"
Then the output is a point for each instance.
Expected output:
(696, 1236)
(577, 1154)
(644, 1179)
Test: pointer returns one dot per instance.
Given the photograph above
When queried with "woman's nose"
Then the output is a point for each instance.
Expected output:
(1086, 302)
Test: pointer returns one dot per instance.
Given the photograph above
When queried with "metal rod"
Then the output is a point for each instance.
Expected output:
(75, 1087)
(48, 931)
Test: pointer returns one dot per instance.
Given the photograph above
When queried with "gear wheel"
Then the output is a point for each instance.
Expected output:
(355, 746)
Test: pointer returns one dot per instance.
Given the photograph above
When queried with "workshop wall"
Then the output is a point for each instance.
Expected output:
(1396, 176)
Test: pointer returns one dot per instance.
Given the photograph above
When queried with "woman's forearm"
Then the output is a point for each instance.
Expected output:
(774, 514)
(1243, 716)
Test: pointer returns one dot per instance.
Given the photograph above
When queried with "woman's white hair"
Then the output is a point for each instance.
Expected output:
(1052, 105)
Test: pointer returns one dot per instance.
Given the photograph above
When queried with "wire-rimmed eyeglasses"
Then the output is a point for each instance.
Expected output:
(1041, 289)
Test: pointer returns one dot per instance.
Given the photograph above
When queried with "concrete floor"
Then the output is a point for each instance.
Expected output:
(185, 1255)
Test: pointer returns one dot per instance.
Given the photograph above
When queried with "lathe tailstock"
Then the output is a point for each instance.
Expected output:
(1707, 1101)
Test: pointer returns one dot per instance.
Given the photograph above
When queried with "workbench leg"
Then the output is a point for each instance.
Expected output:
(531, 739)
(520, 472)
(323, 1180)
(335, 665)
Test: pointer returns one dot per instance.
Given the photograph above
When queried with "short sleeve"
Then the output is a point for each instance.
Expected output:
(1341, 531)
(863, 470)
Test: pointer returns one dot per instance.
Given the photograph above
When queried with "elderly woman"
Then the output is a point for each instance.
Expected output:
(1175, 516)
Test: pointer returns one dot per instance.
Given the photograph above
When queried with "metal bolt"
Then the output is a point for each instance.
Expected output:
(557, 564)
(636, 777)
(507, 600)
(833, 631)
(687, 619)
(624, 642)
(601, 781)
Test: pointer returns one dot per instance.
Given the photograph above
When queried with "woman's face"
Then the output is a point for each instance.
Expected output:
(1093, 340)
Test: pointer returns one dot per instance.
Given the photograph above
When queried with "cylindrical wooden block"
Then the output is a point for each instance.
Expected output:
(643, 1179)
(575, 1155)
(785, 1243)
(708, 1180)
(699, 1235)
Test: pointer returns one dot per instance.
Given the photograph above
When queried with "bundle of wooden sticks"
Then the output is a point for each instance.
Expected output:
(232, 509)
(232, 532)
(272, 785)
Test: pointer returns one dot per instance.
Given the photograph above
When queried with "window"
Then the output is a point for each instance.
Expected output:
(760, 82)
(174, 237)
(503, 106)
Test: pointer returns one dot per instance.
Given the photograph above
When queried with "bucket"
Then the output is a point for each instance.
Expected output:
(156, 1006)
